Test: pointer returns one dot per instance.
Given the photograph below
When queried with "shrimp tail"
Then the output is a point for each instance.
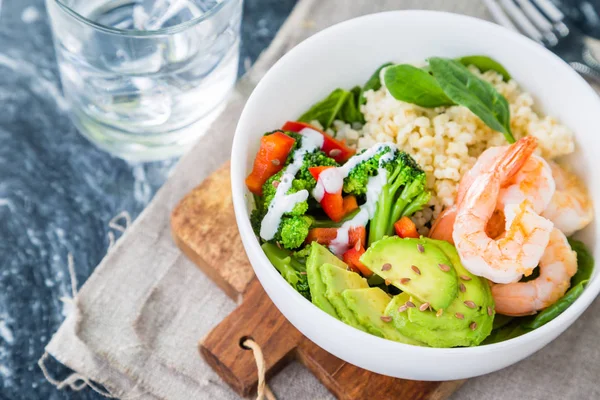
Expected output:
(515, 157)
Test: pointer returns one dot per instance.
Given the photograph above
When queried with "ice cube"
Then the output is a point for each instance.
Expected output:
(155, 14)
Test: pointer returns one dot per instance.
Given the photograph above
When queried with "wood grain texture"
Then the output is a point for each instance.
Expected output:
(203, 226)
(203, 214)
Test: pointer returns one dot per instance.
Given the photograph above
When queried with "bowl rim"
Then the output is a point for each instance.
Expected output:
(257, 256)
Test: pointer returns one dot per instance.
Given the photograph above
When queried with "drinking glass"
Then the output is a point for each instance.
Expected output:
(145, 78)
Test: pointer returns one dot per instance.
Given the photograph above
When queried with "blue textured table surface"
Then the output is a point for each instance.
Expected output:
(58, 192)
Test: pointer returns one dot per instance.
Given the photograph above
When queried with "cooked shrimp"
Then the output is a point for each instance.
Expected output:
(571, 207)
(443, 226)
(557, 266)
(519, 249)
(532, 182)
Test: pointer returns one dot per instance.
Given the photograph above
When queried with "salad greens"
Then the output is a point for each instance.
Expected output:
(374, 83)
(340, 104)
(485, 63)
(292, 270)
(343, 104)
(414, 85)
(477, 95)
(350, 112)
(327, 109)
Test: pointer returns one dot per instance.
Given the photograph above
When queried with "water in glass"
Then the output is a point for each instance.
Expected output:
(139, 75)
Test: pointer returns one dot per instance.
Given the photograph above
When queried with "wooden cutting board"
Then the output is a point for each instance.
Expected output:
(203, 226)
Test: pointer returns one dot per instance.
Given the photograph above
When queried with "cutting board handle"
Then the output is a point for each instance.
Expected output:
(256, 318)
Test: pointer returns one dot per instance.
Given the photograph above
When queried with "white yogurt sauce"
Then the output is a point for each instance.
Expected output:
(283, 202)
(340, 244)
(331, 181)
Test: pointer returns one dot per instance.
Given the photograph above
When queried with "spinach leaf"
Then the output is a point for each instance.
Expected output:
(413, 85)
(506, 332)
(326, 110)
(585, 262)
(467, 90)
(534, 275)
(548, 314)
(501, 320)
(585, 265)
(350, 111)
(485, 63)
(374, 83)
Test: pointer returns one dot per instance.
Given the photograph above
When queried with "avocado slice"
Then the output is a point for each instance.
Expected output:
(393, 258)
(448, 330)
(368, 306)
(318, 256)
(476, 290)
(336, 281)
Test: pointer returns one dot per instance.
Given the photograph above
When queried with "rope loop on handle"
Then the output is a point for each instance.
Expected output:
(263, 390)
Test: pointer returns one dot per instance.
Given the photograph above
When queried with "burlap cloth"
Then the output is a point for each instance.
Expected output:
(139, 316)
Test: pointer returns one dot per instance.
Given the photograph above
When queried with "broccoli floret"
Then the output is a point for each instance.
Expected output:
(256, 217)
(296, 136)
(270, 188)
(292, 270)
(304, 179)
(404, 193)
(357, 179)
(294, 225)
(302, 254)
(292, 231)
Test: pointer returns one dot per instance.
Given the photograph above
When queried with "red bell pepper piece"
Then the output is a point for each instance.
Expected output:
(332, 203)
(350, 204)
(334, 148)
(405, 228)
(322, 236)
(325, 236)
(352, 258)
(270, 159)
(316, 171)
(357, 234)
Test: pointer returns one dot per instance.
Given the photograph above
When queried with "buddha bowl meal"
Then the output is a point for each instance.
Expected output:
(429, 205)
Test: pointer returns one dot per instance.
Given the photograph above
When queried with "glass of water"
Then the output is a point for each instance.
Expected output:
(145, 78)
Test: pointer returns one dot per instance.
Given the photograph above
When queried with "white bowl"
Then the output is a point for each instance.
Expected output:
(346, 55)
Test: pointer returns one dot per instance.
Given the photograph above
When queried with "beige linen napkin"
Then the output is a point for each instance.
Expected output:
(139, 317)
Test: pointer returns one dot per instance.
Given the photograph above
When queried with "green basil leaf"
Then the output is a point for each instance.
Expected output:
(374, 83)
(485, 63)
(350, 111)
(479, 96)
(326, 110)
(585, 262)
(413, 85)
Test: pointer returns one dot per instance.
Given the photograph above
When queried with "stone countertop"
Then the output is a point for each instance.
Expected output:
(58, 192)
